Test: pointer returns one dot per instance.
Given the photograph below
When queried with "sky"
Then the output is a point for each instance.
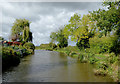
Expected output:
(45, 17)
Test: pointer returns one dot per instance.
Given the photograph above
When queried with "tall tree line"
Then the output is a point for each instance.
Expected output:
(96, 23)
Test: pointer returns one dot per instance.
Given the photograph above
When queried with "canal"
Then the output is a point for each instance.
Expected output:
(51, 66)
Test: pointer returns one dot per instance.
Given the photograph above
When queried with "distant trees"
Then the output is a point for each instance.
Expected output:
(21, 31)
(60, 38)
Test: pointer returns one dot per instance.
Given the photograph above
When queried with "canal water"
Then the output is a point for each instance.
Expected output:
(51, 66)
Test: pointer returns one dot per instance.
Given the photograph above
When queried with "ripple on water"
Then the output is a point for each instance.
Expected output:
(50, 66)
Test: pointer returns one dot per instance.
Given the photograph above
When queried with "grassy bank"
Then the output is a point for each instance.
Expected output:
(106, 63)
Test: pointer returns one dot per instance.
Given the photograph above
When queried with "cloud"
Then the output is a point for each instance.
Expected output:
(45, 17)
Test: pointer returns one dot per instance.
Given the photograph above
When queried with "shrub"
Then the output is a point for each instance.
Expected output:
(68, 52)
(82, 57)
(101, 45)
(50, 49)
(29, 51)
(44, 46)
(52, 45)
(102, 65)
(112, 58)
(84, 43)
(72, 53)
(9, 58)
(92, 60)
(29, 45)
(100, 72)
(18, 53)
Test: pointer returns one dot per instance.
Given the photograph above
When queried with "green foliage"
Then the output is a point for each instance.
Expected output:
(102, 45)
(112, 58)
(98, 37)
(53, 36)
(9, 58)
(108, 65)
(116, 45)
(27, 35)
(100, 72)
(52, 45)
(92, 58)
(83, 57)
(102, 64)
(107, 20)
(49, 46)
(19, 25)
(80, 30)
(63, 42)
(18, 53)
(20, 30)
(80, 57)
(72, 53)
(30, 46)
(60, 38)
(44, 46)
(74, 22)
(83, 43)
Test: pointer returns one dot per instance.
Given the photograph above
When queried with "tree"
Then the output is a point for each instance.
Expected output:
(74, 23)
(80, 30)
(53, 37)
(20, 30)
(109, 21)
(60, 38)
(27, 35)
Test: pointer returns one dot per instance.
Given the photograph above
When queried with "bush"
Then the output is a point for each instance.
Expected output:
(18, 53)
(72, 53)
(29, 45)
(9, 58)
(100, 72)
(112, 58)
(44, 46)
(92, 60)
(84, 43)
(29, 51)
(63, 42)
(52, 45)
(101, 45)
(50, 49)
(82, 57)
(102, 65)
(68, 52)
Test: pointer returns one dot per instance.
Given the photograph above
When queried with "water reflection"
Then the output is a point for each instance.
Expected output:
(51, 66)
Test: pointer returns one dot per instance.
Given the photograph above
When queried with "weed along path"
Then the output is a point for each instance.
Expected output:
(52, 66)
